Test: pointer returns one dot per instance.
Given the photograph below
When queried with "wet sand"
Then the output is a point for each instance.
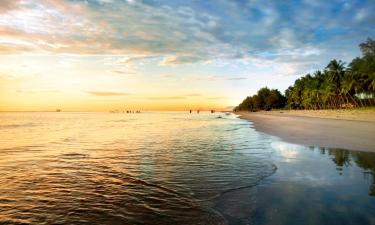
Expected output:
(323, 129)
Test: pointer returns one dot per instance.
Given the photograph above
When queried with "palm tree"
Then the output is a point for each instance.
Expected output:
(332, 88)
(336, 70)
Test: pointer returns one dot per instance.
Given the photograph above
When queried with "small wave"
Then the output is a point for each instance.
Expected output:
(74, 155)
(8, 126)
(23, 149)
(256, 183)
(234, 129)
(121, 121)
(69, 139)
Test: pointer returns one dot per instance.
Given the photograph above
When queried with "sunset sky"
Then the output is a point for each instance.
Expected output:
(103, 55)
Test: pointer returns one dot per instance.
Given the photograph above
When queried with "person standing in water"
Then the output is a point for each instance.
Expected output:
(190, 111)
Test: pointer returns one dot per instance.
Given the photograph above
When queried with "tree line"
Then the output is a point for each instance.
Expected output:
(337, 86)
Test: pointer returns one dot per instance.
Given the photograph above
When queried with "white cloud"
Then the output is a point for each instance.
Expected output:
(182, 59)
(361, 15)
(127, 60)
(179, 34)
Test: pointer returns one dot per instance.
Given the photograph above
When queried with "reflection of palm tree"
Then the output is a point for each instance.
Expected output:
(364, 160)
(341, 157)
(372, 186)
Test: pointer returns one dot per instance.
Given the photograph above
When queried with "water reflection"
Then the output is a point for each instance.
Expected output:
(345, 158)
(317, 186)
(364, 160)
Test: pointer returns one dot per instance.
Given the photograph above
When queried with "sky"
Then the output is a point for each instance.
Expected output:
(99, 55)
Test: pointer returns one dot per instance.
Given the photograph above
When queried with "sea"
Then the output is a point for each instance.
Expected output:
(173, 168)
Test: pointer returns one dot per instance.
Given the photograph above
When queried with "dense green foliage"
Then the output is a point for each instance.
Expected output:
(337, 86)
(265, 99)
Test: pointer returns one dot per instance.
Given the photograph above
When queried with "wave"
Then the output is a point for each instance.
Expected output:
(8, 126)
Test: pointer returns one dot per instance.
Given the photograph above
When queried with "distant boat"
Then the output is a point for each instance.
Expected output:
(58, 110)
(228, 114)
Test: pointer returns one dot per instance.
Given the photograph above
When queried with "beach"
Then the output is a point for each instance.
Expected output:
(343, 129)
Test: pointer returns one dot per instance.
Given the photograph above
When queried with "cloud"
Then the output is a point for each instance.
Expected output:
(193, 95)
(167, 76)
(167, 98)
(216, 98)
(183, 59)
(183, 32)
(217, 78)
(181, 97)
(8, 5)
(105, 1)
(235, 78)
(361, 15)
(107, 93)
(31, 91)
(123, 72)
(131, 59)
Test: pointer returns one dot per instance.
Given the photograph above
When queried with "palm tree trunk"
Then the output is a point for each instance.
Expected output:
(354, 101)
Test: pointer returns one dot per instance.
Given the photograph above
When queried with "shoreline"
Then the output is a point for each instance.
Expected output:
(326, 130)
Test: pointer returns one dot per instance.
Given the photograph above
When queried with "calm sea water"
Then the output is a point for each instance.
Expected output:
(173, 168)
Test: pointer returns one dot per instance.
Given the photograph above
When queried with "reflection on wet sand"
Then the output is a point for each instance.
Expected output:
(317, 186)
(364, 160)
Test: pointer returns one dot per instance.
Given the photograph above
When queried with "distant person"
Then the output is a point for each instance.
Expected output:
(190, 110)
(198, 111)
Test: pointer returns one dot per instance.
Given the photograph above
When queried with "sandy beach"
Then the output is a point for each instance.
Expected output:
(352, 130)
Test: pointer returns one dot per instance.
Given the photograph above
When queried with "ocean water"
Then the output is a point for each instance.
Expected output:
(173, 168)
